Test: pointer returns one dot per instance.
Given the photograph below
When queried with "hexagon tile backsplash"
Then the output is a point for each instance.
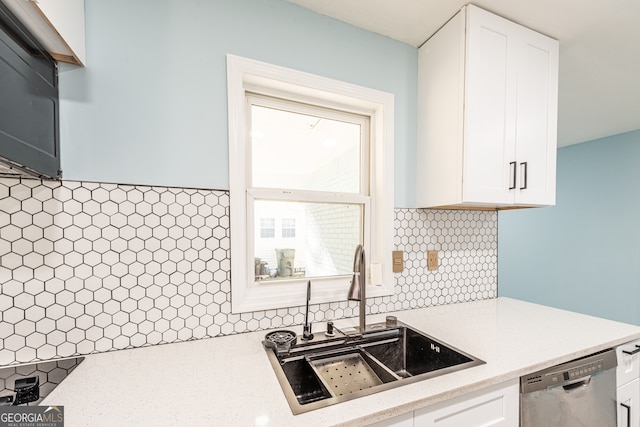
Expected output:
(92, 267)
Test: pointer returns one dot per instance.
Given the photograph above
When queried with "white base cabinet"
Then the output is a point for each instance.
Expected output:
(628, 381)
(496, 406)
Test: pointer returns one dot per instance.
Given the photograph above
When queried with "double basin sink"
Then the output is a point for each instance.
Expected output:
(327, 371)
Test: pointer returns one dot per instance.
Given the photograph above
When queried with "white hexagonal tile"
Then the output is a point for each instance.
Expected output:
(35, 340)
(10, 233)
(13, 288)
(23, 301)
(24, 328)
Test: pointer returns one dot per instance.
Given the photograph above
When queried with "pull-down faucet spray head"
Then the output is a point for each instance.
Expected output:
(306, 331)
(358, 286)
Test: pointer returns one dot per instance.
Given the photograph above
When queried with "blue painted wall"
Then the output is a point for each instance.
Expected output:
(584, 253)
(150, 107)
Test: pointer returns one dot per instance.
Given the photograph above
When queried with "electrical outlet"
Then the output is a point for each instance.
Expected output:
(432, 260)
(397, 258)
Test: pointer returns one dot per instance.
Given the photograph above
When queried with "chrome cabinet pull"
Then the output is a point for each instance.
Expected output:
(628, 408)
(513, 175)
(524, 186)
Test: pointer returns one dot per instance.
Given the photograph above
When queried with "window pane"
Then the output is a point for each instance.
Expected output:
(304, 152)
(325, 237)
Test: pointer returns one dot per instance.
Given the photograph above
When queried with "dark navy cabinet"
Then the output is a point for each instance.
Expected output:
(29, 107)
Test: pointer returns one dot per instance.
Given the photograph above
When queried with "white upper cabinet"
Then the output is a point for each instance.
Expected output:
(57, 24)
(487, 114)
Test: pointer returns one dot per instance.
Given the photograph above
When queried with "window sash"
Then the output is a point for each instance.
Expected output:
(254, 194)
(363, 120)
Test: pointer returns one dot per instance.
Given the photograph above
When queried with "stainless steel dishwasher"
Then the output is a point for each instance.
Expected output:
(580, 393)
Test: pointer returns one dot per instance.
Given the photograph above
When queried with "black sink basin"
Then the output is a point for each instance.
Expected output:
(328, 371)
(416, 354)
(305, 384)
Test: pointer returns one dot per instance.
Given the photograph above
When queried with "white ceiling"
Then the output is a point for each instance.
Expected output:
(599, 91)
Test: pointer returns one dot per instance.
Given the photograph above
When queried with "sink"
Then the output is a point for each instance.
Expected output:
(326, 371)
(416, 354)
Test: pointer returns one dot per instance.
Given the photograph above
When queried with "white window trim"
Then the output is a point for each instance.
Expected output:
(249, 75)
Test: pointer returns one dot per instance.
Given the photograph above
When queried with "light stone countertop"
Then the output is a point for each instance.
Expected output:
(228, 381)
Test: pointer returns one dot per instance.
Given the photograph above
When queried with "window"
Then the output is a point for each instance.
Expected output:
(267, 228)
(311, 162)
(288, 228)
(316, 182)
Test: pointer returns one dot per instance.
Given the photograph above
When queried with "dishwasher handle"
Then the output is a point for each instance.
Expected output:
(584, 382)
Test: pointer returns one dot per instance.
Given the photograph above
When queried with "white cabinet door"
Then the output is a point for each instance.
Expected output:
(404, 420)
(536, 119)
(629, 404)
(490, 108)
(496, 406)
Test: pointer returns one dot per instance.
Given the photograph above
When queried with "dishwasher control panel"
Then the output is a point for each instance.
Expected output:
(582, 370)
(574, 370)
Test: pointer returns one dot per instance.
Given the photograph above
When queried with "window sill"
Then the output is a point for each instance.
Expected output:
(268, 296)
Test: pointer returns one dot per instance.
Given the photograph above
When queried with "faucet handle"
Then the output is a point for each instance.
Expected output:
(306, 332)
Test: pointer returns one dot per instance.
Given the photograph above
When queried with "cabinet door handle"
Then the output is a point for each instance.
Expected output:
(637, 350)
(524, 180)
(628, 408)
(513, 175)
